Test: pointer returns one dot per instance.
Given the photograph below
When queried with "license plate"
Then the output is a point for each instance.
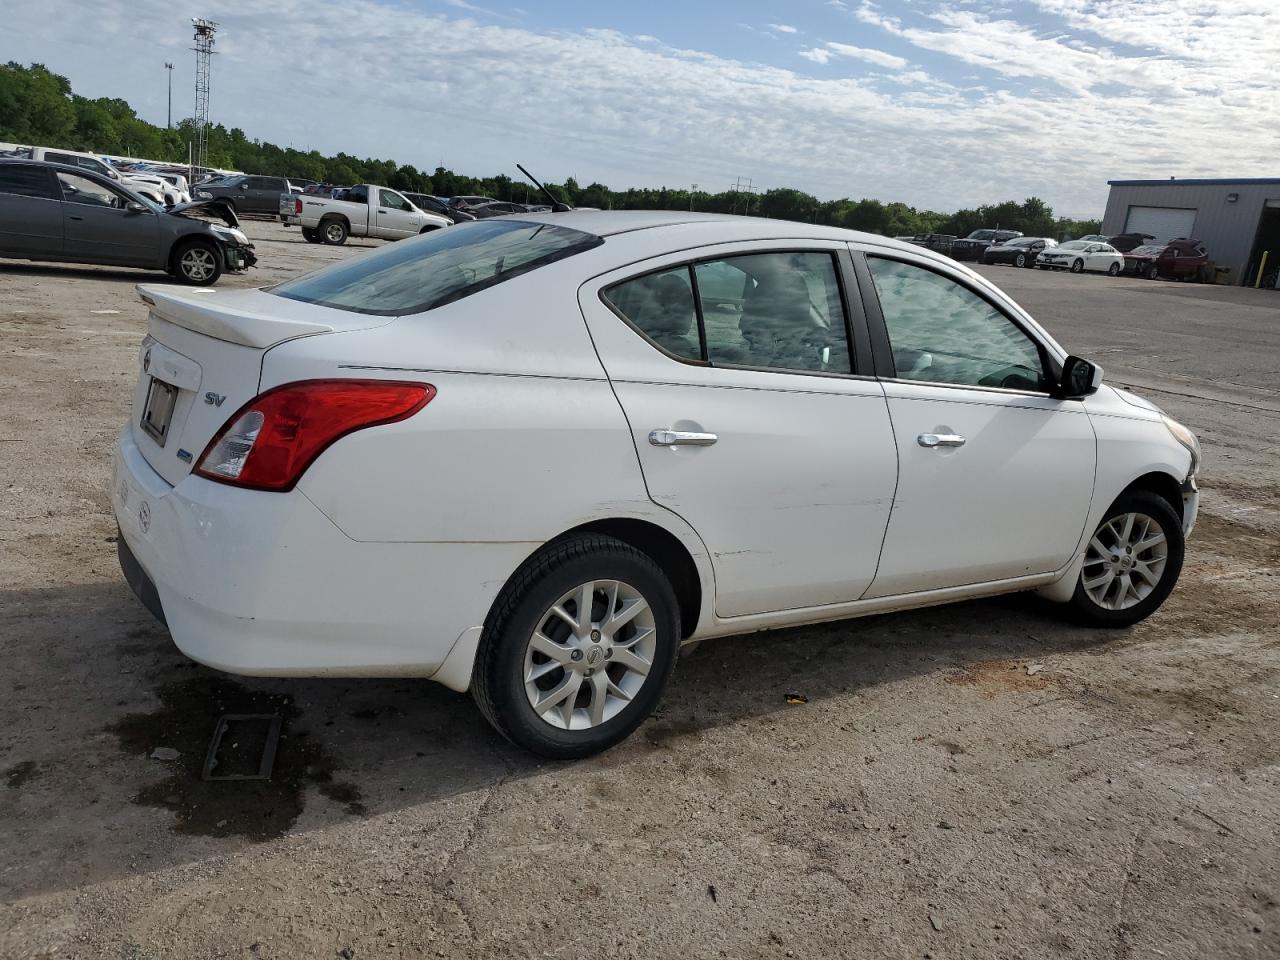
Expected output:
(158, 411)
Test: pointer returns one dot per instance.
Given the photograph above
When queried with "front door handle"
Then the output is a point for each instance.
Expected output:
(681, 438)
(940, 440)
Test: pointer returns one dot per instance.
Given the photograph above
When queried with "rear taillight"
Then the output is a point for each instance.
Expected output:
(297, 207)
(270, 441)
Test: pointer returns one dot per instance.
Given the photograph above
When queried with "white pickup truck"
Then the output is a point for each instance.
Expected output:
(365, 210)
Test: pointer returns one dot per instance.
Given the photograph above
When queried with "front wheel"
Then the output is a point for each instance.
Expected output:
(578, 647)
(1153, 272)
(198, 263)
(1131, 562)
(1020, 261)
(1077, 266)
(1043, 266)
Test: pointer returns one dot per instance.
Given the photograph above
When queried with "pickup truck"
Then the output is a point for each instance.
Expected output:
(366, 210)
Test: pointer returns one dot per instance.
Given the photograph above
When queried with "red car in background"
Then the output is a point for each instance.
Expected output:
(1179, 259)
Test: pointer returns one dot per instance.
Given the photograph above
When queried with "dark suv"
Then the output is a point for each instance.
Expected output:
(975, 244)
(247, 193)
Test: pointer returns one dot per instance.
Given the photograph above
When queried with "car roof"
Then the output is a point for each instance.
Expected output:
(93, 174)
(726, 227)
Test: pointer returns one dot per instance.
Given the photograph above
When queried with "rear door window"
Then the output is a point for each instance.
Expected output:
(23, 181)
(439, 267)
(789, 315)
(770, 311)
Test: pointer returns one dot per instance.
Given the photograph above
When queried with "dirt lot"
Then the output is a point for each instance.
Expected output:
(933, 798)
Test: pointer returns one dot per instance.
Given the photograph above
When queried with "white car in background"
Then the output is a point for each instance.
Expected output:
(1081, 255)
(531, 456)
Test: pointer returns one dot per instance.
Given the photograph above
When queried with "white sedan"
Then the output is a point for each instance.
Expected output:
(1080, 255)
(532, 456)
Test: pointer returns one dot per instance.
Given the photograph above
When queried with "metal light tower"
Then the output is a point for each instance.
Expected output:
(169, 69)
(204, 36)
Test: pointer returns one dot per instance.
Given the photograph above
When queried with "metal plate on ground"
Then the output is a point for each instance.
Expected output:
(243, 747)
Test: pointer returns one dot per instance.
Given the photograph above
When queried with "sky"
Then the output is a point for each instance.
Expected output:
(938, 104)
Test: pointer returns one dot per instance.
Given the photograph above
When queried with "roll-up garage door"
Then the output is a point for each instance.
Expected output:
(1163, 223)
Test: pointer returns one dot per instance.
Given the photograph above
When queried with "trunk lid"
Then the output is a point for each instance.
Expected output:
(202, 360)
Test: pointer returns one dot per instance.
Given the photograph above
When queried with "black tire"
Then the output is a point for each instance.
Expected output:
(1161, 513)
(334, 231)
(310, 235)
(1077, 266)
(1043, 266)
(1114, 270)
(1153, 272)
(497, 680)
(1020, 260)
(198, 263)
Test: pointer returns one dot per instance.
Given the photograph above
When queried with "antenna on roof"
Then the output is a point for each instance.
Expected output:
(557, 206)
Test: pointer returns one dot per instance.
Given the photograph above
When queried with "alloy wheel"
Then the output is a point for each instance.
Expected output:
(1124, 561)
(590, 654)
(197, 264)
(333, 233)
(1021, 261)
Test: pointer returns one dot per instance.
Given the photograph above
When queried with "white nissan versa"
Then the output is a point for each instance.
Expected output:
(531, 456)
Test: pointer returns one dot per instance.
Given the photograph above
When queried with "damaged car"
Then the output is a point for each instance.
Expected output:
(57, 213)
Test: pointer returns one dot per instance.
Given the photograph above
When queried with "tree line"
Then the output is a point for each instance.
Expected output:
(38, 107)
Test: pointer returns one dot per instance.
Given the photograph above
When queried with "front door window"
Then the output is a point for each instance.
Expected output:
(942, 332)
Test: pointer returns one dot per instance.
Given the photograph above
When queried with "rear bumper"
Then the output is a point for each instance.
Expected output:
(264, 584)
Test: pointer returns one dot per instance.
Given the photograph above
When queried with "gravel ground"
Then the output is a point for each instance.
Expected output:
(982, 780)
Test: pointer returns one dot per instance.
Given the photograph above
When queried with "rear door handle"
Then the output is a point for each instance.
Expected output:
(681, 438)
(940, 440)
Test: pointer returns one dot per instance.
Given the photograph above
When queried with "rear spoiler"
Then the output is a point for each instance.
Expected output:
(200, 310)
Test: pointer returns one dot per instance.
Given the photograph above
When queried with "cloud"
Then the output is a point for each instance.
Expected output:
(878, 57)
(782, 28)
(600, 104)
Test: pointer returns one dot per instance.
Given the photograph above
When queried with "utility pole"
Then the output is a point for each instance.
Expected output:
(204, 36)
(741, 185)
(692, 191)
(169, 69)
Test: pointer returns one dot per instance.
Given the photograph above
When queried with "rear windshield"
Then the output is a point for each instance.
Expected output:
(437, 268)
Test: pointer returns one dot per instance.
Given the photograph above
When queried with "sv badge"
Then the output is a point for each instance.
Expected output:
(214, 398)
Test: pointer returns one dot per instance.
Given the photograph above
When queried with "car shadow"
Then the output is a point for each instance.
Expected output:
(107, 725)
(84, 272)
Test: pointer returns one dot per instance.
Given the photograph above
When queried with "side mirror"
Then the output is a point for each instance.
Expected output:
(133, 206)
(1080, 378)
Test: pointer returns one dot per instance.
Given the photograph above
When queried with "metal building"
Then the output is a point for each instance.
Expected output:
(1237, 220)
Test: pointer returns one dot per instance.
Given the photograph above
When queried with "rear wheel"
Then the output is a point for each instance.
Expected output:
(310, 235)
(1077, 266)
(578, 647)
(1153, 272)
(1020, 260)
(334, 231)
(1114, 270)
(198, 263)
(1131, 562)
